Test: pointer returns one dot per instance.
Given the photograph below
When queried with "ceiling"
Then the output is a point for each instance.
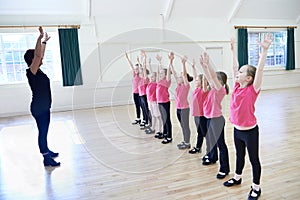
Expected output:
(170, 9)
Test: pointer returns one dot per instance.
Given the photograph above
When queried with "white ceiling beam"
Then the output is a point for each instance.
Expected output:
(89, 8)
(298, 19)
(235, 9)
(168, 11)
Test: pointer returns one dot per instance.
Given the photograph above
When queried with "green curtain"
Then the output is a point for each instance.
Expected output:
(70, 57)
(290, 52)
(242, 46)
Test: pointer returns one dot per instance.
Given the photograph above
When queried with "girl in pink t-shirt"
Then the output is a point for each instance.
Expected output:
(182, 104)
(248, 81)
(163, 99)
(142, 93)
(135, 83)
(154, 116)
(215, 120)
(197, 100)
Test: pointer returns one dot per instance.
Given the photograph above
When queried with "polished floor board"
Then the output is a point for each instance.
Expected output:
(103, 156)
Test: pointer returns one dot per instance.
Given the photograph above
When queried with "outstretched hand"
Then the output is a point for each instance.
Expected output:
(46, 37)
(171, 56)
(41, 32)
(265, 44)
(204, 59)
(143, 53)
(158, 58)
(184, 59)
(193, 64)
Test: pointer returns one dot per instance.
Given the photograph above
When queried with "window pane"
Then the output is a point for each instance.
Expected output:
(11, 77)
(12, 49)
(10, 68)
(276, 52)
(253, 54)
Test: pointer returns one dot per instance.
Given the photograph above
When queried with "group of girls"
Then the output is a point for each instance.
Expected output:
(211, 88)
(152, 97)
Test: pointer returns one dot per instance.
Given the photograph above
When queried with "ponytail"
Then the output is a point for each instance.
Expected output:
(223, 77)
(227, 88)
(189, 78)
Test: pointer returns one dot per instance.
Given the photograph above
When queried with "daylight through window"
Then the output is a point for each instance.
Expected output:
(12, 64)
(277, 52)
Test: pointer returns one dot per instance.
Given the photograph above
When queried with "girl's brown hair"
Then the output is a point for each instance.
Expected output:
(251, 71)
(222, 76)
(189, 78)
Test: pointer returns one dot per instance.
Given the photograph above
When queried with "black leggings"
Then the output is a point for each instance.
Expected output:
(145, 108)
(183, 116)
(164, 109)
(201, 124)
(137, 103)
(247, 139)
(42, 119)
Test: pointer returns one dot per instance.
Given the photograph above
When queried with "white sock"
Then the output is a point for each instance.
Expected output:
(255, 187)
(237, 177)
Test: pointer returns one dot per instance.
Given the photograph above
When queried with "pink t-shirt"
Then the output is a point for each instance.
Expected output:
(197, 102)
(143, 85)
(162, 93)
(135, 83)
(212, 106)
(151, 91)
(181, 96)
(242, 106)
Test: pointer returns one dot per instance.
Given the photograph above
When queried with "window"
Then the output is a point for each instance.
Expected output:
(277, 52)
(12, 64)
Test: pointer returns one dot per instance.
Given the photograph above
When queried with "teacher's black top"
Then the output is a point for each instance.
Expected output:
(41, 92)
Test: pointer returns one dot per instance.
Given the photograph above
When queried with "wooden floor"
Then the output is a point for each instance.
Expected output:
(105, 157)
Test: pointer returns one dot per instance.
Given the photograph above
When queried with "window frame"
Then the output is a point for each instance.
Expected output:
(273, 31)
(53, 72)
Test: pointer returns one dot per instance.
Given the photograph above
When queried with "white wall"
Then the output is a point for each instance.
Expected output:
(106, 74)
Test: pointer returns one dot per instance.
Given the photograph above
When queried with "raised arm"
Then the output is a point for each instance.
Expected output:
(194, 69)
(262, 61)
(158, 58)
(150, 67)
(235, 67)
(209, 72)
(43, 45)
(39, 51)
(183, 60)
(129, 61)
(204, 66)
(171, 58)
(171, 69)
(144, 63)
